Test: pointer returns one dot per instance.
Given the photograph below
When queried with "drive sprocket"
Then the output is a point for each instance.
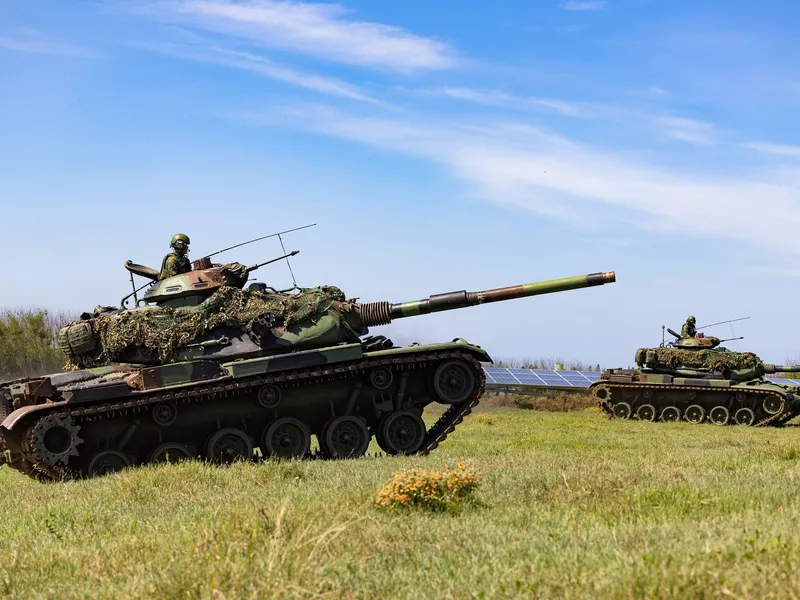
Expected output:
(55, 439)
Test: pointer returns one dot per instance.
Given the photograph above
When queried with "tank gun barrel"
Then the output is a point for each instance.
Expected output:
(382, 313)
(781, 368)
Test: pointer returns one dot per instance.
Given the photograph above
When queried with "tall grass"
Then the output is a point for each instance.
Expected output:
(28, 342)
(572, 505)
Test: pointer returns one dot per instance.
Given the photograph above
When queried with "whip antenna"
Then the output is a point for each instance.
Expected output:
(723, 322)
(288, 264)
(259, 239)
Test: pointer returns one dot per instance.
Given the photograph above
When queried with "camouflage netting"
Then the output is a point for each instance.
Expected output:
(165, 329)
(713, 360)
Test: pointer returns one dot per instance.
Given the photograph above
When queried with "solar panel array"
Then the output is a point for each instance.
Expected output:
(562, 379)
(541, 377)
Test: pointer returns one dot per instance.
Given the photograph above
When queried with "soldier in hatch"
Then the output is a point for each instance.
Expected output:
(176, 262)
(688, 330)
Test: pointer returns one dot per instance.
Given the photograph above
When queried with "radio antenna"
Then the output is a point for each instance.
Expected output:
(288, 264)
(259, 239)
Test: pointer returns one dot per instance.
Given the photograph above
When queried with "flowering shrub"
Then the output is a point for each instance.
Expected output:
(431, 490)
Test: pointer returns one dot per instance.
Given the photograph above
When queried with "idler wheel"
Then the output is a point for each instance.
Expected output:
(744, 416)
(380, 378)
(108, 461)
(719, 415)
(646, 412)
(229, 445)
(170, 453)
(345, 437)
(453, 382)
(622, 410)
(401, 432)
(695, 413)
(671, 414)
(55, 439)
(286, 438)
(165, 414)
(772, 404)
(269, 396)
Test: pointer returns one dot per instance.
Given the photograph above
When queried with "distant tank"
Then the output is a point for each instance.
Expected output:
(205, 368)
(696, 380)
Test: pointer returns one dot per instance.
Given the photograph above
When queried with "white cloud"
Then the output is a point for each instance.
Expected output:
(30, 41)
(771, 271)
(325, 31)
(585, 5)
(781, 149)
(687, 130)
(531, 169)
(248, 61)
(498, 98)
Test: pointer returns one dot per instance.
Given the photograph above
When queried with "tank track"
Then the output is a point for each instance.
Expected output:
(32, 464)
(783, 415)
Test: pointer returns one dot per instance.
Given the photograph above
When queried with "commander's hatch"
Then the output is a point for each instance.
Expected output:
(141, 270)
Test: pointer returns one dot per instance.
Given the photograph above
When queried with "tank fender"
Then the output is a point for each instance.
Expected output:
(457, 344)
(12, 420)
(294, 360)
(479, 353)
(163, 376)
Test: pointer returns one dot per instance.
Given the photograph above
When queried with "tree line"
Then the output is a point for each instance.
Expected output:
(29, 342)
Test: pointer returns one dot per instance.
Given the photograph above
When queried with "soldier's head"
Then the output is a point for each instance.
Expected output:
(180, 242)
(690, 320)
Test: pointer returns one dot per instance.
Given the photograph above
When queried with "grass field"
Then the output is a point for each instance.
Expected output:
(572, 505)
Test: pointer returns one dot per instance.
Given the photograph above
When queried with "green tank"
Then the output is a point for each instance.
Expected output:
(696, 379)
(202, 367)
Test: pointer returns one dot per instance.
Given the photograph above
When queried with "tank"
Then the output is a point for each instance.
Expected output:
(696, 379)
(202, 367)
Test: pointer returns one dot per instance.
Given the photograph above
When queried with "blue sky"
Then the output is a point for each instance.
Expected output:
(438, 146)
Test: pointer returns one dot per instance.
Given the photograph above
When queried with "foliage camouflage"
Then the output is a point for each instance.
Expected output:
(164, 329)
(713, 360)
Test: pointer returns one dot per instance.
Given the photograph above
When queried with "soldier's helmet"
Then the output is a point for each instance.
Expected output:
(691, 320)
(180, 241)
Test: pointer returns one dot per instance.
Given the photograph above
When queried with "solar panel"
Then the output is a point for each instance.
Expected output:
(784, 380)
(576, 379)
(540, 377)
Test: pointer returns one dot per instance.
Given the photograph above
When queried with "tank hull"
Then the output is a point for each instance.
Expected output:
(635, 393)
(109, 418)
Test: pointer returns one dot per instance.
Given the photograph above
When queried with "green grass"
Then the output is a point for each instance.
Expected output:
(572, 505)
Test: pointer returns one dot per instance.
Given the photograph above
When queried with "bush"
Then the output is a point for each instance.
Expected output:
(28, 343)
(430, 490)
(546, 400)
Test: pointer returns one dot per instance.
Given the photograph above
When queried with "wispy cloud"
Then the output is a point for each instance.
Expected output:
(687, 130)
(771, 271)
(325, 31)
(263, 66)
(583, 5)
(533, 170)
(499, 98)
(32, 42)
(781, 149)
